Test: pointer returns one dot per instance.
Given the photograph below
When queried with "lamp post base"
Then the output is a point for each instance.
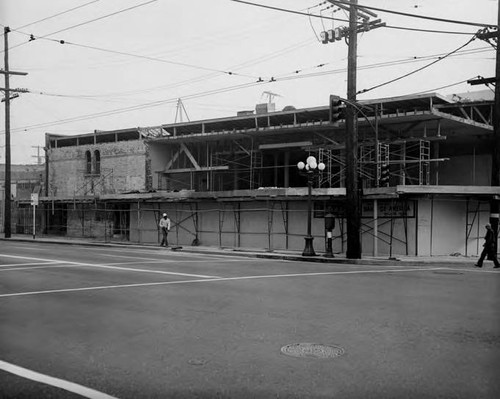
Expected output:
(308, 249)
(329, 250)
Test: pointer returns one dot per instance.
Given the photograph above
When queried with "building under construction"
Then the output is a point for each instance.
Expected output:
(424, 176)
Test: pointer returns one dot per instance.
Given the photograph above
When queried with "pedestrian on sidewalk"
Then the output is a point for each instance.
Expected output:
(165, 228)
(489, 248)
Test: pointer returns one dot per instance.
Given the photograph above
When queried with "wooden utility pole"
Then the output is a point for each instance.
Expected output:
(353, 203)
(353, 185)
(6, 72)
(495, 164)
(7, 207)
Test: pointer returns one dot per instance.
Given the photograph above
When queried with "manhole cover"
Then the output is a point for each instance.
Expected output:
(315, 351)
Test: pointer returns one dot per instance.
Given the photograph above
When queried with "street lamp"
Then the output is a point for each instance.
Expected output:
(309, 169)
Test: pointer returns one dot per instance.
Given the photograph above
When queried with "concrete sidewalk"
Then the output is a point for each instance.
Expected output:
(398, 260)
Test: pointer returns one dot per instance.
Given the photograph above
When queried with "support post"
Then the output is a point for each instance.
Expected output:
(352, 193)
(308, 249)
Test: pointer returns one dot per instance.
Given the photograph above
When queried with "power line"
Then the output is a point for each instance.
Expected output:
(139, 56)
(138, 107)
(294, 74)
(56, 15)
(159, 60)
(33, 37)
(417, 70)
(103, 17)
(442, 87)
(287, 77)
(427, 30)
(452, 21)
(226, 89)
(288, 11)
(309, 15)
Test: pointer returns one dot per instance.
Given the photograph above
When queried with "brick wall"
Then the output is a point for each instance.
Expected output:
(122, 169)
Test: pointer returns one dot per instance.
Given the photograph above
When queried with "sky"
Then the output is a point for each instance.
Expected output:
(126, 63)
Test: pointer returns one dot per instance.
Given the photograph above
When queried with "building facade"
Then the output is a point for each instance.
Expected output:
(25, 180)
(424, 168)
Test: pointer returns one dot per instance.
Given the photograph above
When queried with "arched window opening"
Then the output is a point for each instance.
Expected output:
(97, 160)
(88, 156)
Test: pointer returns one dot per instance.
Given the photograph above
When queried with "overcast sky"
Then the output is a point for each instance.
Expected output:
(125, 63)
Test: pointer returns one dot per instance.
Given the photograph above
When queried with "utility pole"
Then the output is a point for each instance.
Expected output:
(6, 72)
(353, 188)
(495, 164)
(353, 203)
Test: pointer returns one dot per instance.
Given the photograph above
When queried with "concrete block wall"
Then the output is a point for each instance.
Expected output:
(123, 168)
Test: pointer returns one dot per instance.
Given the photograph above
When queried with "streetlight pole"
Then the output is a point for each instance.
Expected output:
(310, 169)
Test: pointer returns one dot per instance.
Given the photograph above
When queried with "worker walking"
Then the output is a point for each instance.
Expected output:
(165, 228)
(489, 248)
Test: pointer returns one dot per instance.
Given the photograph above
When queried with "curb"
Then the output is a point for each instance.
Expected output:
(248, 254)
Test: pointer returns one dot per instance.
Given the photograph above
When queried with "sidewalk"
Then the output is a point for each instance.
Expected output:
(399, 260)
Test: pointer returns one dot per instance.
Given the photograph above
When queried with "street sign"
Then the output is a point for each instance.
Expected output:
(34, 199)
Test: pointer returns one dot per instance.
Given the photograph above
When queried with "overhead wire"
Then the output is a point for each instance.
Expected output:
(452, 21)
(102, 17)
(159, 60)
(235, 87)
(381, 64)
(140, 56)
(286, 10)
(345, 20)
(58, 14)
(417, 70)
(136, 107)
(289, 76)
(195, 95)
(442, 87)
(33, 37)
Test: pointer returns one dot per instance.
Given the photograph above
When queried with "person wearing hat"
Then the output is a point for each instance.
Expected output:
(165, 228)
(489, 248)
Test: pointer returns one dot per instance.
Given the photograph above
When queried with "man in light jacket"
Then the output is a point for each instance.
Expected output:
(165, 228)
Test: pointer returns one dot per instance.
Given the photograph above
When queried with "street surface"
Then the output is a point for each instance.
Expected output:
(122, 322)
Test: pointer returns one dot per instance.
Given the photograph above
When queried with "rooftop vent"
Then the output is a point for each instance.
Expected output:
(264, 108)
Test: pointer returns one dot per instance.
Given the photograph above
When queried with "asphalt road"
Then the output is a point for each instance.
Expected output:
(99, 322)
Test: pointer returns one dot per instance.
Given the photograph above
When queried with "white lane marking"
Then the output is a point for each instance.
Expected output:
(52, 381)
(29, 264)
(30, 258)
(219, 260)
(114, 267)
(59, 266)
(148, 271)
(476, 270)
(214, 280)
